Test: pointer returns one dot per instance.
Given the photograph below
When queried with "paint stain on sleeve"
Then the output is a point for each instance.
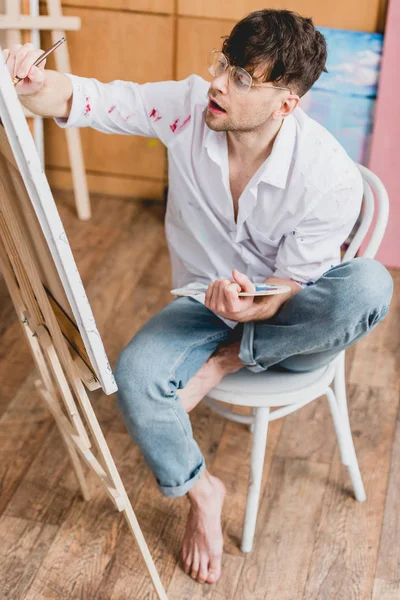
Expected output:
(176, 127)
(88, 108)
(110, 110)
(185, 122)
(154, 114)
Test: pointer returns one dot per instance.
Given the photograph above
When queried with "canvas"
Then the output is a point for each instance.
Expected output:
(45, 235)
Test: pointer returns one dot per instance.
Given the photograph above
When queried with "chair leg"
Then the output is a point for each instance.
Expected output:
(338, 405)
(251, 426)
(340, 434)
(256, 471)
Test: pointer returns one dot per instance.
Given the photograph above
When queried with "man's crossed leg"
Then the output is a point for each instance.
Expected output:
(185, 350)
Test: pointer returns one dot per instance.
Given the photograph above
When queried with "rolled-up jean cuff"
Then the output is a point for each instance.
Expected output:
(246, 353)
(181, 490)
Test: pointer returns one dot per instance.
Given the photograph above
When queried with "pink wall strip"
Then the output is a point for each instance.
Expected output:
(385, 150)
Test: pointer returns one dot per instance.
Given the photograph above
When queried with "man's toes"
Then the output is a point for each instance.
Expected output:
(195, 563)
(187, 562)
(203, 571)
(213, 575)
(214, 569)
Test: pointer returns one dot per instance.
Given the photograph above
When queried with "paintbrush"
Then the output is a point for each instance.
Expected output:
(41, 58)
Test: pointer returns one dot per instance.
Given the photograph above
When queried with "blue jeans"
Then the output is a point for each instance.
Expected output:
(307, 332)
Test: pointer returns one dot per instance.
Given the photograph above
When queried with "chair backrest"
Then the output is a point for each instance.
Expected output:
(375, 200)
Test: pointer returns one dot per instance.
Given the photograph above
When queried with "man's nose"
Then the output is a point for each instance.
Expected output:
(221, 83)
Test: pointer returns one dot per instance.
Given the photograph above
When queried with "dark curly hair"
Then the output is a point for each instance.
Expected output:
(292, 51)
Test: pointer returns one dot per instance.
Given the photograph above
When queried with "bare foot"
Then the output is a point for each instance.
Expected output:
(203, 541)
(224, 360)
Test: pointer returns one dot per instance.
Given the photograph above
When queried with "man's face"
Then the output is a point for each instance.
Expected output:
(241, 112)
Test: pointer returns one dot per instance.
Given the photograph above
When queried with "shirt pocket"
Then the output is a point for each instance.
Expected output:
(262, 241)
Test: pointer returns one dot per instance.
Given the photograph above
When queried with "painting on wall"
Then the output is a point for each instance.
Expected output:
(343, 100)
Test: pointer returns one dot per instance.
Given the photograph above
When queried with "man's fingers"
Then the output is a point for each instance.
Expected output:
(27, 63)
(214, 295)
(14, 48)
(220, 297)
(233, 288)
(36, 74)
(6, 54)
(209, 293)
(243, 281)
(231, 297)
(19, 57)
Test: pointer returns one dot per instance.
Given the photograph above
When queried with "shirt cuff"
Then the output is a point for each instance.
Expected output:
(81, 109)
(279, 273)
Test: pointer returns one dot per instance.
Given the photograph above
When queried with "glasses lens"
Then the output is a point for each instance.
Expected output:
(241, 80)
(217, 63)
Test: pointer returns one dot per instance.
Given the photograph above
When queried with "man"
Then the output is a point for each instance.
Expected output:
(257, 192)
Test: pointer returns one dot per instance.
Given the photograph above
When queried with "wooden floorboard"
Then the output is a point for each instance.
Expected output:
(313, 540)
(387, 575)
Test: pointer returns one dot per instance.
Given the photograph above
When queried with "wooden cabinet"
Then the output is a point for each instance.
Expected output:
(154, 6)
(196, 37)
(360, 15)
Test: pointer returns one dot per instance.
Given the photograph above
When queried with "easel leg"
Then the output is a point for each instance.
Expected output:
(98, 437)
(78, 174)
(76, 463)
(12, 9)
(40, 364)
(110, 477)
(137, 532)
(73, 136)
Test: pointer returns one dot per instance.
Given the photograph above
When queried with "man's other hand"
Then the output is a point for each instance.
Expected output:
(222, 297)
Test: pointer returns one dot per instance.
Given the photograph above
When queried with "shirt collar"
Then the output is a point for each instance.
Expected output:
(276, 168)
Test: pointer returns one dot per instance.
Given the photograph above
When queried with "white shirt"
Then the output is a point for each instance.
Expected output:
(293, 215)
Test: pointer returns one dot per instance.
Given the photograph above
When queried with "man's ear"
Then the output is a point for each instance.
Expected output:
(286, 107)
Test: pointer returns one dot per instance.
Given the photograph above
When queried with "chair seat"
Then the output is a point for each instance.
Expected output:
(273, 388)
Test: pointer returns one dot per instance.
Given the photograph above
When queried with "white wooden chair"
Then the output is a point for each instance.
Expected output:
(290, 391)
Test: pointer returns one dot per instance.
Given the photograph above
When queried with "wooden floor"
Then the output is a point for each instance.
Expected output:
(313, 540)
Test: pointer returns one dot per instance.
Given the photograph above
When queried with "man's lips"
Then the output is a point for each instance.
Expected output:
(214, 106)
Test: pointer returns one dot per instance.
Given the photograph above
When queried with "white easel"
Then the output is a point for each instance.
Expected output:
(13, 22)
(49, 298)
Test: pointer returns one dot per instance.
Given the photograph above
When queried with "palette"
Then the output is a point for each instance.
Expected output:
(261, 289)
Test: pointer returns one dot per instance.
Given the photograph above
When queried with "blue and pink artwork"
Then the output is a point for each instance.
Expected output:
(343, 100)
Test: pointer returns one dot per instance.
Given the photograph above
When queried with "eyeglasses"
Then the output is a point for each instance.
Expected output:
(241, 80)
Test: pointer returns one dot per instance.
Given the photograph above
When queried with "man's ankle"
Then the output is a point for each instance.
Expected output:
(200, 494)
(227, 358)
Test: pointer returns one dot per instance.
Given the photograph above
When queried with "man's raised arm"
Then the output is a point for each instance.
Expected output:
(43, 92)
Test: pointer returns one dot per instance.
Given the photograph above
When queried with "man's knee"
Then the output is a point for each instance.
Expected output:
(366, 284)
(138, 369)
(372, 282)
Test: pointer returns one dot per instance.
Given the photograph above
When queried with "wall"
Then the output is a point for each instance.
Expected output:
(385, 151)
(152, 40)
